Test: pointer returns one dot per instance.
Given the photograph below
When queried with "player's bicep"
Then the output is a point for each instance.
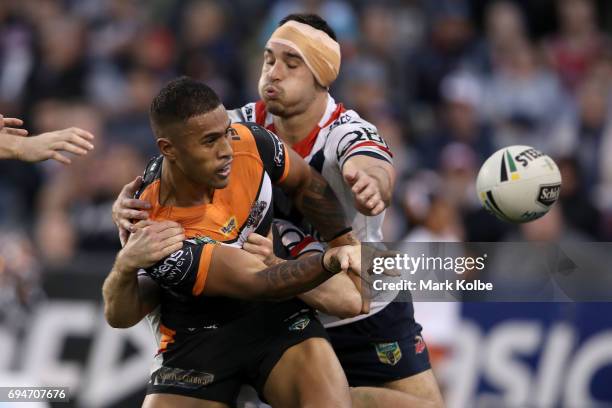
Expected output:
(232, 273)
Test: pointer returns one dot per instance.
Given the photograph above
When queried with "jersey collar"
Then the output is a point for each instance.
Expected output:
(304, 146)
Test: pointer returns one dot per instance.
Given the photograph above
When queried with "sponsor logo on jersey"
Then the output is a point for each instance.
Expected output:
(174, 268)
(300, 324)
(343, 119)
(388, 353)
(229, 226)
(549, 194)
(248, 113)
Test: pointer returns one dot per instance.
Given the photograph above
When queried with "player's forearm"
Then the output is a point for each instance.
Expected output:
(9, 146)
(291, 278)
(122, 304)
(337, 297)
(321, 207)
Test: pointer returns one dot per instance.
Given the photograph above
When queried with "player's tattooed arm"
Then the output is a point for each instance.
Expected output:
(236, 273)
(337, 296)
(313, 196)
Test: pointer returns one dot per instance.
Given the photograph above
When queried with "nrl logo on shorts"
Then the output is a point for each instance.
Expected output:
(389, 353)
(419, 345)
(299, 324)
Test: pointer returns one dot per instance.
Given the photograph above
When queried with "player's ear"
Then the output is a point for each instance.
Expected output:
(166, 148)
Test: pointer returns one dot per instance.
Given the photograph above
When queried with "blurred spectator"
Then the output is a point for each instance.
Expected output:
(130, 125)
(522, 98)
(389, 32)
(74, 205)
(434, 217)
(61, 69)
(208, 50)
(16, 57)
(586, 133)
(575, 202)
(449, 38)
(338, 13)
(458, 169)
(366, 88)
(20, 287)
(460, 121)
(505, 30)
(574, 50)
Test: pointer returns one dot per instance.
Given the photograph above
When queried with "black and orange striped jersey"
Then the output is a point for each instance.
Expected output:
(242, 207)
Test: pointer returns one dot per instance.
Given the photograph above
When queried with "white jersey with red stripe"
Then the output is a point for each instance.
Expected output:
(340, 135)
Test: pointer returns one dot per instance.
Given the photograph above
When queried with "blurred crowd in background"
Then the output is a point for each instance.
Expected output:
(447, 82)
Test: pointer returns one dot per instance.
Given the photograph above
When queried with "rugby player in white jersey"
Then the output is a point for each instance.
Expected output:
(301, 60)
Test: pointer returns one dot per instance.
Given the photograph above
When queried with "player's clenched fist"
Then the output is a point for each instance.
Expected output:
(343, 259)
(150, 242)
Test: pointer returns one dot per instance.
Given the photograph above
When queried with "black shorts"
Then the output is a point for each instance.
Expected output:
(212, 364)
(384, 347)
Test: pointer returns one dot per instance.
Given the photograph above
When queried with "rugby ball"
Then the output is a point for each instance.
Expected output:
(518, 184)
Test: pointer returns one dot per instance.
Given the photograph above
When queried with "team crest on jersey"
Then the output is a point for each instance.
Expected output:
(229, 226)
(388, 353)
(300, 324)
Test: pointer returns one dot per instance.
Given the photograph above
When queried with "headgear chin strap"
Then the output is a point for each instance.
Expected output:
(318, 50)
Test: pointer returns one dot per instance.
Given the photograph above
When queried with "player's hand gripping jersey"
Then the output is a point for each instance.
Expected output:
(244, 206)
